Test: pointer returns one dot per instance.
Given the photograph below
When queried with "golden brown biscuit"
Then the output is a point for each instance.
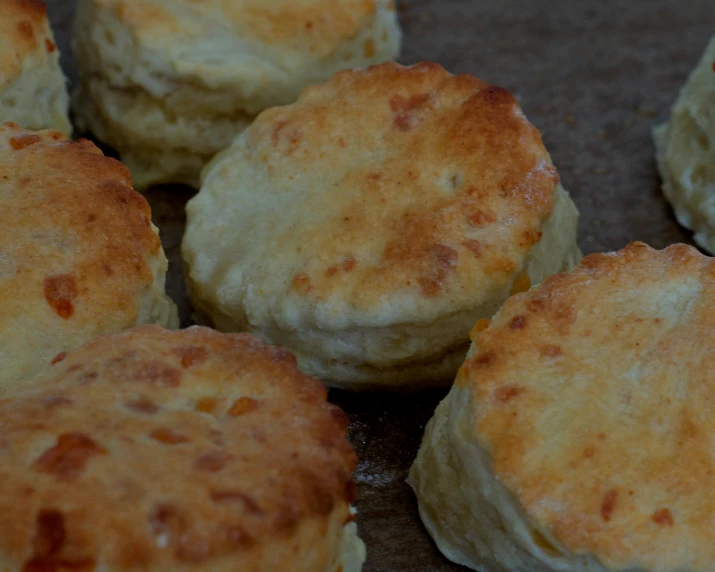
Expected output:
(79, 256)
(169, 83)
(32, 87)
(369, 225)
(165, 451)
(578, 435)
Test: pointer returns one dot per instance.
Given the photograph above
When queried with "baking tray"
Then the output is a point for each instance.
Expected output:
(594, 76)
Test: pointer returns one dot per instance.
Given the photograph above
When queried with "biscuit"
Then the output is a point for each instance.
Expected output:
(169, 83)
(577, 436)
(33, 92)
(79, 256)
(369, 225)
(686, 153)
(163, 451)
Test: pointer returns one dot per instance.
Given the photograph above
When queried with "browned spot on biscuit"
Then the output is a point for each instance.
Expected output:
(535, 305)
(228, 496)
(301, 283)
(143, 405)
(663, 517)
(444, 259)
(212, 462)
(60, 293)
(404, 109)
(508, 392)
(68, 458)
(518, 323)
(331, 271)
(474, 246)
(531, 237)
(193, 356)
(21, 141)
(159, 374)
(49, 540)
(25, 29)
(50, 45)
(480, 218)
(589, 451)
(167, 436)
(550, 350)
(484, 360)
(275, 136)
(58, 358)
(242, 406)
(207, 405)
(368, 48)
(349, 264)
(608, 504)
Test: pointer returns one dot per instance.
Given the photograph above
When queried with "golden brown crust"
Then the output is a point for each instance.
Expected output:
(592, 394)
(76, 241)
(23, 29)
(444, 185)
(168, 450)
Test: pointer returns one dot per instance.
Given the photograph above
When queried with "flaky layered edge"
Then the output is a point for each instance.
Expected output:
(418, 355)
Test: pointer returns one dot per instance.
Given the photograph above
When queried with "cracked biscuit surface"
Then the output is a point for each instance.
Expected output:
(79, 256)
(578, 434)
(368, 226)
(170, 451)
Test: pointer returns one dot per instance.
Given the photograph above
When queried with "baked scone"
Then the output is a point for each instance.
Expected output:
(79, 256)
(686, 153)
(169, 83)
(369, 225)
(578, 434)
(166, 451)
(33, 91)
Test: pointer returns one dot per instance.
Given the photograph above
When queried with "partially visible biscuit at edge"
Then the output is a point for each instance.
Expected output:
(169, 83)
(164, 451)
(79, 255)
(33, 91)
(368, 226)
(685, 148)
(578, 434)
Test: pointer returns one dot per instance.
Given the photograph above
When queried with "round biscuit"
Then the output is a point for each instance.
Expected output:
(369, 225)
(79, 256)
(578, 434)
(167, 451)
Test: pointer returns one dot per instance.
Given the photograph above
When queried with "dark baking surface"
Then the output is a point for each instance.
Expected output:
(594, 76)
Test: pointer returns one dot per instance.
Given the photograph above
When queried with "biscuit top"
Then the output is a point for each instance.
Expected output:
(593, 394)
(76, 242)
(158, 450)
(409, 191)
(23, 29)
(211, 41)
